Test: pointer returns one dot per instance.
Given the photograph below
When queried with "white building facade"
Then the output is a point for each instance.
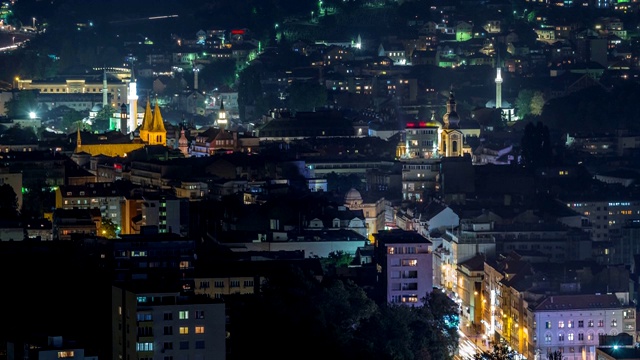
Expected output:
(572, 324)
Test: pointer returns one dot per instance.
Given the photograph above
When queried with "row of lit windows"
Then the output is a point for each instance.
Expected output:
(401, 250)
(220, 284)
(404, 262)
(561, 337)
(184, 330)
(88, 90)
(182, 315)
(418, 167)
(404, 299)
(571, 324)
(167, 345)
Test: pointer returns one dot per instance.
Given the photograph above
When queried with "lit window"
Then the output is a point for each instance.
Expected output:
(65, 354)
(183, 315)
(199, 329)
(184, 330)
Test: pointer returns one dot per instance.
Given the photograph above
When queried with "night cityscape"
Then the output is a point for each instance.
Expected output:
(320, 179)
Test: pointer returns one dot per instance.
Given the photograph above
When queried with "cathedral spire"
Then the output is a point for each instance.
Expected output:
(78, 141)
(157, 124)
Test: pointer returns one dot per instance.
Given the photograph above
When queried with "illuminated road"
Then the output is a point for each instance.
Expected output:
(466, 347)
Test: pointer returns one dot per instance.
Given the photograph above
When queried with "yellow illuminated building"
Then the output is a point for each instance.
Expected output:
(152, 132)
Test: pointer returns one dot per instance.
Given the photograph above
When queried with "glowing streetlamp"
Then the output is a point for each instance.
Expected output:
(34, 22)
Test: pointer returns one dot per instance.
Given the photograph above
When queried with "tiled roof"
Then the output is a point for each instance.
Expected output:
(579, 302)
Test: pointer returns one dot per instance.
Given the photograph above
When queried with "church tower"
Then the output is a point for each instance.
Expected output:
(152, 130)
(183, 143)
(157, 132)
(451, 138)
(451, 119)
(222, 117)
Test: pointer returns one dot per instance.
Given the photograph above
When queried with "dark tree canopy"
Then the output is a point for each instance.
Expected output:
(297, 314)
(8, 203)
(536, 148)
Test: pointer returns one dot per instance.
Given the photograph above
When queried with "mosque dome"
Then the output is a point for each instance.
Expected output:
(492, 104)
(353, 197)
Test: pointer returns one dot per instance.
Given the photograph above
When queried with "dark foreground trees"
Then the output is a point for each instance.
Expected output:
(297, 316)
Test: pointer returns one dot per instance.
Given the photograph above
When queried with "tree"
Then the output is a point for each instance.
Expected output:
(537, 103)
(38, 199)
(8, 203)
(336, 259)
(71, 120)
(536, 149)
(221, 73)
(20, 134)
(108, 229)
(249, 89)
(21, 104)
(336, 319)
(500, 351)
(523, 103)
(103, 118)
(306, 96)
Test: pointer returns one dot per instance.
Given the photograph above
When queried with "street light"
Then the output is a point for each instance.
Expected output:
(34, 22)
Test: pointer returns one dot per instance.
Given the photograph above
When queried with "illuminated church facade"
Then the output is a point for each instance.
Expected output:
(114, 143)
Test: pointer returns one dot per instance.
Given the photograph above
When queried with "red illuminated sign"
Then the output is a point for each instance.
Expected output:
(421, 124)
(237, 32)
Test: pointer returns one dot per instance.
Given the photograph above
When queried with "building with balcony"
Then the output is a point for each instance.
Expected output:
(405, 261)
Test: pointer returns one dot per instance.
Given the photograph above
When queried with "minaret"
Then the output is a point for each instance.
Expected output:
(222, 117)
(196, 70)
(498, 89)
(105, 90)
(133, 102)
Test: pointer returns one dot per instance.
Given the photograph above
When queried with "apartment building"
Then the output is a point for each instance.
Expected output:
(107, 197)
(220, 279)
(405, 261)
(607, 214)
(573, 324)
(151, 324)
(419, 176)
(151, 256)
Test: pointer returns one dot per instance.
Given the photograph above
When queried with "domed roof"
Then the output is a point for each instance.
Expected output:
(352, 196)
(492, 104)
(96, 108)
